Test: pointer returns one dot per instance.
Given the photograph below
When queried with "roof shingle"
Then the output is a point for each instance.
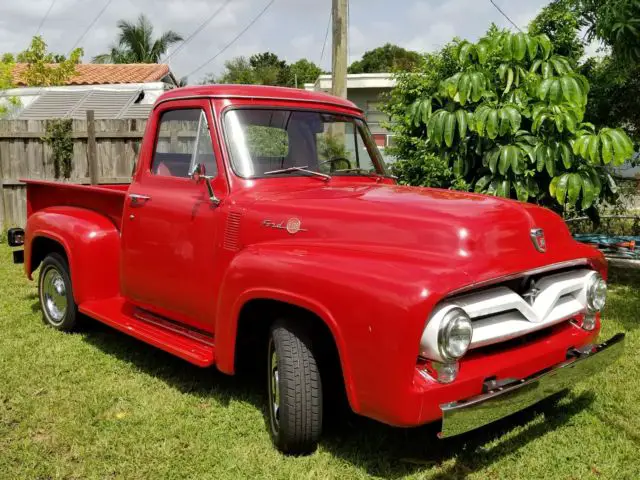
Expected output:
(102, 74)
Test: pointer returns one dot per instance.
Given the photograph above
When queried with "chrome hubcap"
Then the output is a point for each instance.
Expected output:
(54, 295)
(275, 388)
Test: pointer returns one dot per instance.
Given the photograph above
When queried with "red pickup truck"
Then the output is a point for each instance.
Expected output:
(261, 223)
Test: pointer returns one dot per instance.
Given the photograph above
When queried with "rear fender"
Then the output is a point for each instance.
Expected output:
(90, 241)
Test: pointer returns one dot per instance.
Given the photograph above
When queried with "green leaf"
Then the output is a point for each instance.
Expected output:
(553, 186)
(541, 156)
(493, 159)
(463, 56)
(543, 88)
(509, 80)
(503, 188)
(555, 92)
(492, 124)
(502, 71)
(435, 128)
(482, 49)
(521, 190)
(607, 149)
(545, 46)
(478, 85)
(505, 160)
(532, 46)
(482, 183)
(459, 166)
(518, 46)
(567, 156)
(561, 188)
(550, 161)
(593, 149)
(464, 88)
(573, 187)
(588, 191)
(449, 128)
(461, 120)
(547, 70)
(480, 118)
(535, 65)
(571, 90)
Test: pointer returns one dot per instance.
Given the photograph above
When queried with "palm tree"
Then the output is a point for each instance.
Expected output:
(136, 44)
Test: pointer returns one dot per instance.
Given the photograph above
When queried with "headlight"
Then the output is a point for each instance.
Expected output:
(454, 335)
(596, 293)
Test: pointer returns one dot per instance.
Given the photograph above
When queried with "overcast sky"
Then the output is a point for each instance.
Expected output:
(290, 28)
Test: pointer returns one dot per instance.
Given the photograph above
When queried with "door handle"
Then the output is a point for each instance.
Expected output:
(138, 200)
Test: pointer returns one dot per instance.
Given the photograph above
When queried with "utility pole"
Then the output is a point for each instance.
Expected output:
(339, 58)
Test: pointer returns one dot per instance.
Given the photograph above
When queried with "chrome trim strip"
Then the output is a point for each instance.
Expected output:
(259, 97)
(512, 276)
(471, 413)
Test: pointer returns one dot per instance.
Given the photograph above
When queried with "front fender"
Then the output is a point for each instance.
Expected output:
(92, 245)
(374, 308)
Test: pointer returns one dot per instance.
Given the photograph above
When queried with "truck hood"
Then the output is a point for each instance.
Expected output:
(476, 234)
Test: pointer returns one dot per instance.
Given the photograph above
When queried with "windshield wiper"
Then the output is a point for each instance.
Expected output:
(368, 173)
(304, 169)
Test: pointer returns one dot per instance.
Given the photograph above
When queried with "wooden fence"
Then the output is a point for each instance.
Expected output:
(105, 153)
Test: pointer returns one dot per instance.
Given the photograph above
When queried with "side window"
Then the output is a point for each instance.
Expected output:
(183, 140)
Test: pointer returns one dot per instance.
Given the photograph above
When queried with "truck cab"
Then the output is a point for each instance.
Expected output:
(261, 223)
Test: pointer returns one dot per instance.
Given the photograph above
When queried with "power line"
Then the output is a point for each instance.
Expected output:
(93, 22)
(46, 15)
(326, 35)
(505, 15)
(232, 41)
(197, 30)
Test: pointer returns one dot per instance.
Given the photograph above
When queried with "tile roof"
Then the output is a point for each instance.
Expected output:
(101, 74)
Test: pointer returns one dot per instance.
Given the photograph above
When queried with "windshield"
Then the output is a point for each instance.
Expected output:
(264, 142)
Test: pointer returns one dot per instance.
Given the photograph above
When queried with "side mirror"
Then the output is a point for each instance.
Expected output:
(197, 173)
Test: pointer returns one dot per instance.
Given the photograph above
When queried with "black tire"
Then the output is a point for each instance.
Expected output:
(55, 291)
(295, 414)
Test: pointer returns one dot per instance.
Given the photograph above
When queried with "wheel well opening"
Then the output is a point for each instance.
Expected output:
(43, 246)
(257, 316)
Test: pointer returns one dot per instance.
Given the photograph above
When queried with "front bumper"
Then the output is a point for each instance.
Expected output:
(471, 413)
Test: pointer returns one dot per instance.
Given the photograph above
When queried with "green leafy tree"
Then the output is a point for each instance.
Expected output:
(614, 22)
(303, 71)
(388, 58)
(560, 22)
(43, 69)
(46, 69)
(136, 43)
(266, 69)
(509, 122)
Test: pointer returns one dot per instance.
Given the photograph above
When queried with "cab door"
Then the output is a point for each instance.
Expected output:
(170, 225)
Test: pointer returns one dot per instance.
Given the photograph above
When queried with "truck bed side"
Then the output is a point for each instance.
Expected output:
(107, 200)
(83, 224)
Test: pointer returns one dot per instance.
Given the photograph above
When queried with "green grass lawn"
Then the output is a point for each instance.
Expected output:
(98, 404)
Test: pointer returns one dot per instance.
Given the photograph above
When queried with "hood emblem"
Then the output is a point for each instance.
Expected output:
(531, 294)
(537, 237)
(293, 225)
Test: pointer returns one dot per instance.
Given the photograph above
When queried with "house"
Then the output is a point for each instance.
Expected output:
(111, 91)
(365, 90)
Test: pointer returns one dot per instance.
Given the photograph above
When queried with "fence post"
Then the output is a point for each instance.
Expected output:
(92, 149)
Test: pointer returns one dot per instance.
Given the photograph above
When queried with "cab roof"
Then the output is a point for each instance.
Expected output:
(258, 92)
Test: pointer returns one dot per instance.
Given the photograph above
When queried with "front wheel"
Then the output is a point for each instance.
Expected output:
(295, 390)
(59, 309)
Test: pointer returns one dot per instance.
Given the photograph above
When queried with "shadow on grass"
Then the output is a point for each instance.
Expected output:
(376, 448)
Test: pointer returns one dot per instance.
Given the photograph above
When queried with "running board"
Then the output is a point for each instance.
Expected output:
(191, 345)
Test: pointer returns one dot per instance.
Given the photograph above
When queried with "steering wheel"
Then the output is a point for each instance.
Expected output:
(335, 160)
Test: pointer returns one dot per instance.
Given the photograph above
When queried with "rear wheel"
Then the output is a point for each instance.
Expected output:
(59, 309)
(295, 390)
